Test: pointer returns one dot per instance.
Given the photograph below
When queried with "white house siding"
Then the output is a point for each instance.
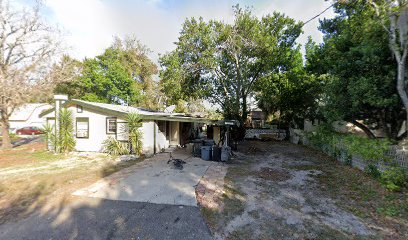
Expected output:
(174, 133)
(148, 130)
(161, 141)
(97, 129)
(97, 132)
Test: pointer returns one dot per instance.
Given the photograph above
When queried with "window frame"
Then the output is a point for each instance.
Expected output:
(76, 127)
(107, 125)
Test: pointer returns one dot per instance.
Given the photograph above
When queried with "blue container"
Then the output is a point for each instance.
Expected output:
(206, 153)
(225, 154)
(209, 142)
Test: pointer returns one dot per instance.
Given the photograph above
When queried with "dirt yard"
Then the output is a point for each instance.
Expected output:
(32, 178)
(277, 190)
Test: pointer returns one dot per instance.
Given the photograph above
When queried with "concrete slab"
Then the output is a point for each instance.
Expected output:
(153, 181)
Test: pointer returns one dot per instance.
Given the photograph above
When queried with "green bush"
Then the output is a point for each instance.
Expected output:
(343, 146)
(395, 178)
(373, 171)
(134, 122)
(65, 142)
(114, 147)
(373, 151)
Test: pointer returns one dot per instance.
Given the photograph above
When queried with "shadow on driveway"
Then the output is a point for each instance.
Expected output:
(91, 218)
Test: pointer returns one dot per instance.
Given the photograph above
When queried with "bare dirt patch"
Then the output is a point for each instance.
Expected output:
(273, 174)
(292, 192)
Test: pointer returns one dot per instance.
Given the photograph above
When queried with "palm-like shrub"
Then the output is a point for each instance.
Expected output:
(134, 122)
(134, 145)
(114, 147)
(49, 132)
(65, 141)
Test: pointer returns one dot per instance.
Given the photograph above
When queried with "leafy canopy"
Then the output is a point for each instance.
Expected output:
(361, 71)
(122, 74)
(222, 62)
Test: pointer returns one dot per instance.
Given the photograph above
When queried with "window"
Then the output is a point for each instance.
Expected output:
(79, 109)
(111, 125)
(82, 127)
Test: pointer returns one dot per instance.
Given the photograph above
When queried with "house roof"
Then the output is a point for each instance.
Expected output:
(24, 112)
(121, 111)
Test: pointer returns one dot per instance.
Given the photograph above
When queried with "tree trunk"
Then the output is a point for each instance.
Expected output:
(244, 109)
(6, 141)
(363, 127)
(401, 88)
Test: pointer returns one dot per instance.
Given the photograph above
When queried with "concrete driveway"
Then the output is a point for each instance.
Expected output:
(101, 219)
(153, 181)
(159, 202)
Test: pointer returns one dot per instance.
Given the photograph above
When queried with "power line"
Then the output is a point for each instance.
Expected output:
(318, 15)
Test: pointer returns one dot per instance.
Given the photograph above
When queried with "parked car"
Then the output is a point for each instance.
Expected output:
(29, 131)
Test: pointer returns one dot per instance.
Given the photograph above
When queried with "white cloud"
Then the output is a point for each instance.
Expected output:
(91, 24)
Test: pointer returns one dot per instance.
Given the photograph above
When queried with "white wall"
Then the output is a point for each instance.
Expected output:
(161, 141)
(148, 130)
(97, 132)
(174, 133)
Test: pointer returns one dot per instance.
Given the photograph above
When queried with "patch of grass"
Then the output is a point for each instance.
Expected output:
(45, 155)
(244, 232)
(211, 217)
(233, 206)
(303, 167)
(236, 171)
(25, 201)
(359, 193)
(22, 194)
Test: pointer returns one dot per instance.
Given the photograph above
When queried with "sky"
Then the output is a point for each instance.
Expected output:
(90, 25)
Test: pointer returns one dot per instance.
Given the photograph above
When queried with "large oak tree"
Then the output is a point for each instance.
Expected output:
(27, 49)
(361, 70)
(222, 62)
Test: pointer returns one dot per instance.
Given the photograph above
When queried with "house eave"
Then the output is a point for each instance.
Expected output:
(122, 114)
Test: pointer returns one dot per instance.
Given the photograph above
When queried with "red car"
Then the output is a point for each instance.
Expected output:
(29, 131)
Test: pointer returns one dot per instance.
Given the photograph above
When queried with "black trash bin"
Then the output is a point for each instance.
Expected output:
(197, 147)
(216, 153)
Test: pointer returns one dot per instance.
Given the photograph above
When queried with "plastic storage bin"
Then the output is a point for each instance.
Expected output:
(206, 153)
(225, 153)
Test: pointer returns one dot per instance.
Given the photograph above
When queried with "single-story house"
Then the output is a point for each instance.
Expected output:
(94, 122)
(27, 115)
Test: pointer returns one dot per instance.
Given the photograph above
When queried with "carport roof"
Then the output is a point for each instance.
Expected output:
(121, 111)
